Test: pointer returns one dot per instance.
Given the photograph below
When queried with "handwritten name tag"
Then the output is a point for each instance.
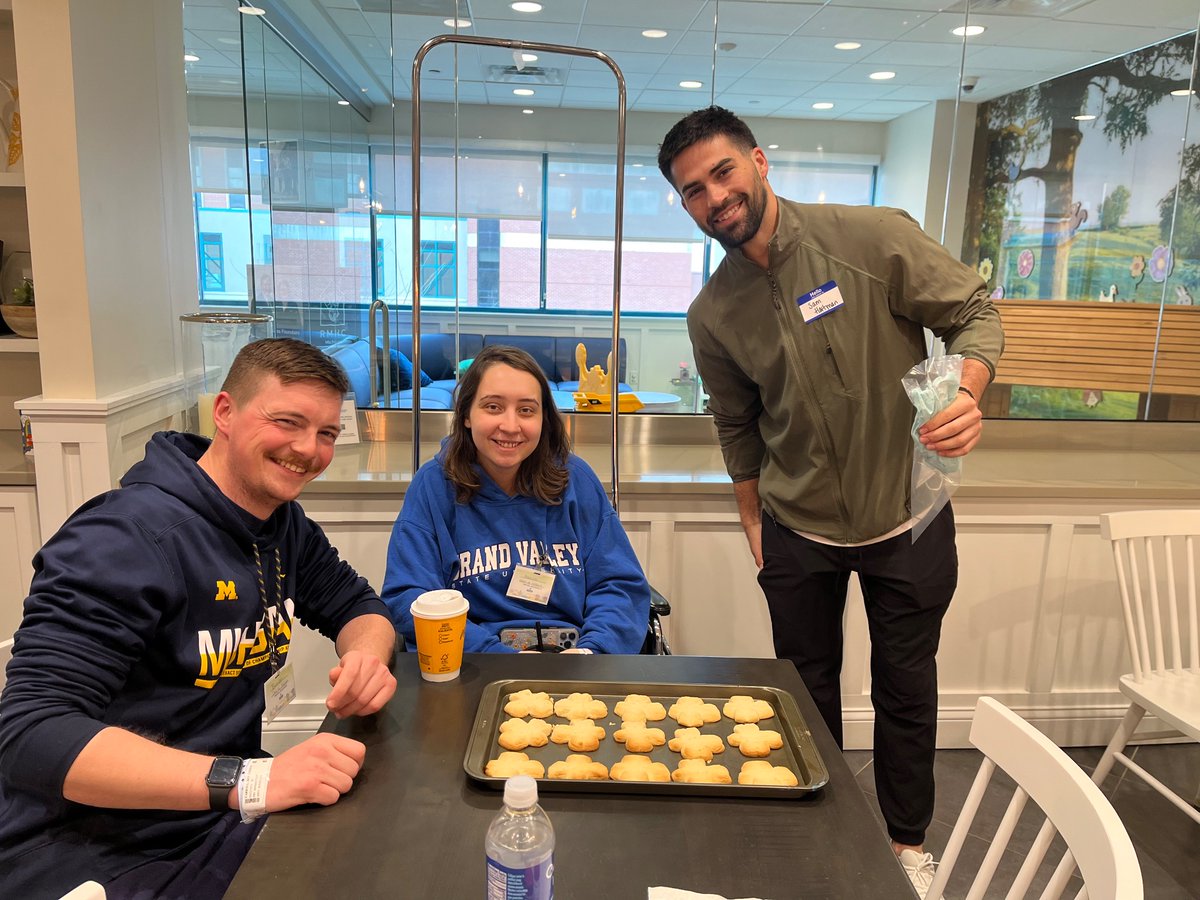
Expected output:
(820, 301)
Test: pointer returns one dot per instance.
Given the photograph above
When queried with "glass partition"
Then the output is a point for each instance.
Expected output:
(1039, 141)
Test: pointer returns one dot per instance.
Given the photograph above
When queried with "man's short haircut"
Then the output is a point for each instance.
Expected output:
(287, 359)
(703, 125)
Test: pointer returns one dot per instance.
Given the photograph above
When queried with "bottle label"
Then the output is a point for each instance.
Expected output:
(533, 883)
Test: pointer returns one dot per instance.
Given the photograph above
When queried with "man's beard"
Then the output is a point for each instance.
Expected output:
(742, 229)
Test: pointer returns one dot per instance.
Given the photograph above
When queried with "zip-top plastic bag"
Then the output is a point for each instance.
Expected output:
(932, 385)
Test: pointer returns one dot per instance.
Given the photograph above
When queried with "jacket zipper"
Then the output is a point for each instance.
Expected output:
(825, 435)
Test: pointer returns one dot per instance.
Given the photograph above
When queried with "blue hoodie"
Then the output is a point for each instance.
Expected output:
(145, 613)
(598, 588)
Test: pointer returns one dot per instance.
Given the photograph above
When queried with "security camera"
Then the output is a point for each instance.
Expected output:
(969, 82)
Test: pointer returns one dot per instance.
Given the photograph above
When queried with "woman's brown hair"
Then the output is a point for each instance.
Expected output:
(543, 475)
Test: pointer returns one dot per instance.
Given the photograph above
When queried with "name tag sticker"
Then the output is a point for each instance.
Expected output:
(820, 301)
(531, 584)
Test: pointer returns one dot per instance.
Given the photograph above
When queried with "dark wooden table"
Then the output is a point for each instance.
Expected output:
(414, 824)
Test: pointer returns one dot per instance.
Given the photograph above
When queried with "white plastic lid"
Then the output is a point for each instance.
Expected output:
(520, 792)
(440, 604)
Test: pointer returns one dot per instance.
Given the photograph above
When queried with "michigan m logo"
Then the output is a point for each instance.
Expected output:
(226, 590)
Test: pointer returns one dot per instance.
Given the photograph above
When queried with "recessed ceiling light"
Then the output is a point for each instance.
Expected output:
(881, 76)
(1083, 118)
(822, 106)
(523, 92)
(252, 11)
(562, 174)
(528, 57)
(343, 103)
(232, 41)
(691, 85)
(772, 146)
(457, 23)
(226, 81)
(968, 30)
(847, 45)
(528, 112)
(637, 165)
(1182, 92)
(364, 90)
(526, 6)
(654, 33)
(190, 57)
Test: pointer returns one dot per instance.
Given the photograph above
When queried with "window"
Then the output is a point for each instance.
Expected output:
(212, 262)
(438, 269)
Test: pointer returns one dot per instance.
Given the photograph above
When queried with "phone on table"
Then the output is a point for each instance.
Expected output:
(543, 638)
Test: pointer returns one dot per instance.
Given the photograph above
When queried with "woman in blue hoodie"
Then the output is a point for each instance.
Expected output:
(509, 516)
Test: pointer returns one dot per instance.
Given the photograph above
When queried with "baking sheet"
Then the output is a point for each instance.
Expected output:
(798, 753)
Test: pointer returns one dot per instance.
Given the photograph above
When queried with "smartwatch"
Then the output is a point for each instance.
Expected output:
(221, 779)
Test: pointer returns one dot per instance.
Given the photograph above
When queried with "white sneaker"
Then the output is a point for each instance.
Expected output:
(919, 868)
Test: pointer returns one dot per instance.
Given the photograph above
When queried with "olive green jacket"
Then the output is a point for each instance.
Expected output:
(816, 411)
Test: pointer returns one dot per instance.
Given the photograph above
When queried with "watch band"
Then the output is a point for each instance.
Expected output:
(221, 779)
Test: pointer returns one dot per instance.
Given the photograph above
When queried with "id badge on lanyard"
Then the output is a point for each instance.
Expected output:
(533, 583)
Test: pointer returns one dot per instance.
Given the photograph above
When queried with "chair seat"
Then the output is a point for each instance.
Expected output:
(1174, 698)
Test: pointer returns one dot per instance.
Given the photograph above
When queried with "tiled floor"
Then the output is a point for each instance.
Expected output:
(1167, 842)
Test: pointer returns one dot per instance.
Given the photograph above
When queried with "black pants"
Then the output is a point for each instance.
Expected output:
(906, 590)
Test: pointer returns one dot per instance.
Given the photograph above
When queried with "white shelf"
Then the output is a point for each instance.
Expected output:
(14, 343)
(12, 179)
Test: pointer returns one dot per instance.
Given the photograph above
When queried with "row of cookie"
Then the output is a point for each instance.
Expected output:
(690, 712)
(633, 767)
(637, 736)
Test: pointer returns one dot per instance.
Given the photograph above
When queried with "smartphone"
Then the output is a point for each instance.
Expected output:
(555, 638)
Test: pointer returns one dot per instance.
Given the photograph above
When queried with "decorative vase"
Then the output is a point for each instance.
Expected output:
(21, 319)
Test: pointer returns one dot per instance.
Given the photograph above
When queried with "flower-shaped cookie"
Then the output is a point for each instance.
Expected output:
(639, 768)
(691, 712)
(527, 703)
(693, 745)
(639, 708)
(580, 706)
(509, 763)
(579, 768)
(741, 708)
(759, 771)
(517, 734)
(581, 734)
(755, 741)
(639, 738)
(697, 771)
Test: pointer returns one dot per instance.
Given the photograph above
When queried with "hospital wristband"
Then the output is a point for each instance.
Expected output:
(252, 788)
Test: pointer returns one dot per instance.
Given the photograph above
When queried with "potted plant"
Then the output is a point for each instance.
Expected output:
(18, 311)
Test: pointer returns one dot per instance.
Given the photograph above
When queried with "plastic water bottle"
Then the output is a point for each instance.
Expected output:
(520, 846)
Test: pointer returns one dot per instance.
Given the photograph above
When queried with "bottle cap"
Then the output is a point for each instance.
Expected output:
(520, 792)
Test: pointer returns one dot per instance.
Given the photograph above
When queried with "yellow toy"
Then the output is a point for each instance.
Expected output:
(595, 388)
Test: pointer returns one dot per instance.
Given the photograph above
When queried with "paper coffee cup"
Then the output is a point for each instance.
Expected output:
(440, 620)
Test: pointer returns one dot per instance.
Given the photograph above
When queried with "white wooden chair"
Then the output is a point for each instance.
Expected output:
(1153, 550)
(1074, 806)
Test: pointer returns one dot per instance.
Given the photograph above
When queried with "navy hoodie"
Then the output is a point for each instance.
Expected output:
(145, 613)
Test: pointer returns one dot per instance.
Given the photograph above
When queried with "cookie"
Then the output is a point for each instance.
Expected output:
(755, 741)
(509, 763)
(697, 771)
(637, 737)
(692, 712)
(580, 706)
(741, 708)
(579, 768)
(691, 744)
(759, 771)
(581, 734)
(639, 768)
(639, 708)
(527, 703)
(517, 734)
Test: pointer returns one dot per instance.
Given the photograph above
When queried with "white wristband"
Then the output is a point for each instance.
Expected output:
(252, 788)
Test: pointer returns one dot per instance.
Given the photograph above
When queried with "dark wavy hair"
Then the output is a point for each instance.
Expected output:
(703, 125)
(543, 475)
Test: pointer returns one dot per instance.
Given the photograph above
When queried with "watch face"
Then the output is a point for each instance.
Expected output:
(224, 771)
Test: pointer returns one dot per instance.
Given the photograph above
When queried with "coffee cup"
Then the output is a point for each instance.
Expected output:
(440, 621)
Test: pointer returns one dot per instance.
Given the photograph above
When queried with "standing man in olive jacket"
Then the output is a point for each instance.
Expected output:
(802, 335)
(131, 723)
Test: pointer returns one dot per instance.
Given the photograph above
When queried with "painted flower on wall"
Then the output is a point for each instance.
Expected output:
(985, 268)
(1161, 263)
(1137, 268)
(998, 293)
(1025, 263)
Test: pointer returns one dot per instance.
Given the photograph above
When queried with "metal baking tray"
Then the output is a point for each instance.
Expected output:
(798, 753)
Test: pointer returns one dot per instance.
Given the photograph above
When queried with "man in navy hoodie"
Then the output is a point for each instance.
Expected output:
(130, 724)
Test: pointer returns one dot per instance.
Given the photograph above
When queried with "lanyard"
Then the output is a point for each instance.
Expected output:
(269, 621)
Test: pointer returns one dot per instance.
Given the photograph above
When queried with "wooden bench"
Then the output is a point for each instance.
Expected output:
(1101, 346)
